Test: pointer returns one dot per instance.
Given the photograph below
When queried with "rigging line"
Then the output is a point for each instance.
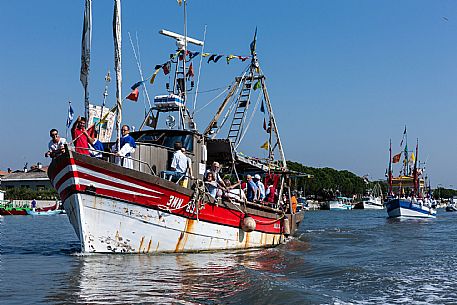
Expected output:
(139, 60)
(212, 100)
(199, 71)
(139, 69)
(210, 90)
(250, 120)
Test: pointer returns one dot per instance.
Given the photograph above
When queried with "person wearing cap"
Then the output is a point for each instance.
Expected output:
(260, 186)
(215, 168)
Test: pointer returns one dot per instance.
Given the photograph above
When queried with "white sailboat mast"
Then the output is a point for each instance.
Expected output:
(117, 64)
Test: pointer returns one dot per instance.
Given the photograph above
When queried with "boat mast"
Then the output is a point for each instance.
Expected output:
(390, 167)
(117, 64)
(415, 174)
(85, 55)
(406, 171)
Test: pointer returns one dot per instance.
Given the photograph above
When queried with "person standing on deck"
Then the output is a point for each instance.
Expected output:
(252, 189)
(179, 163)
(128, 146)
(259, 183)
(56, 145)
(80, 136)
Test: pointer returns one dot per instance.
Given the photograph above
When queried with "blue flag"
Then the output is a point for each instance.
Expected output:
(70, 115)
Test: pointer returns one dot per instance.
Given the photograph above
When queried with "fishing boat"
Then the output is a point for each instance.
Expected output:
(340, 203)
(373, 201)
(9, 209)
(47, 211)
(143, 209)
(452, 205)
(408, 193)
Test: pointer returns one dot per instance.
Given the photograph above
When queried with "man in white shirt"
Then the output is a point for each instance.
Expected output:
(258, 182)
(56, 145)
(128, 145)
(180, 162)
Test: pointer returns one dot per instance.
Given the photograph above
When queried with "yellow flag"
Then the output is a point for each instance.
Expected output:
(230, 57)
(413, 157)
(154, 76)
(265, 145)
(205, 54)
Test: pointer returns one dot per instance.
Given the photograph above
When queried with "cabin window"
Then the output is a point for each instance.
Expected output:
(169, 140)
(186, 140)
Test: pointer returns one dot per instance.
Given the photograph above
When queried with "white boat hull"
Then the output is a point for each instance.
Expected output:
(407, 208)
(372, 206)
(109, 225)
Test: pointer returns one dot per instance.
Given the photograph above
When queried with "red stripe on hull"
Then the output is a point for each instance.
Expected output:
(210, 213)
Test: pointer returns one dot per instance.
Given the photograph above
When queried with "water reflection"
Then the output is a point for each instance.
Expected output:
(201, 278)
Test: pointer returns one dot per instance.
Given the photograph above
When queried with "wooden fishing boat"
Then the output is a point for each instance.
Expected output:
(142, 210)
(408, 193)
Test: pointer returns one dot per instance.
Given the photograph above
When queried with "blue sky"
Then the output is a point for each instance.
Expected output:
(343, 76)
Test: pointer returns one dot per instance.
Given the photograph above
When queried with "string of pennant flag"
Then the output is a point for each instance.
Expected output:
(166, 68)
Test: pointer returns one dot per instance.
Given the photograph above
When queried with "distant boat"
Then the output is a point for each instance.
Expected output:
(9, 209)
(451, 206)
(373, 201)
(340, 203)
(52, 210)
(412, 197)
(44, 213)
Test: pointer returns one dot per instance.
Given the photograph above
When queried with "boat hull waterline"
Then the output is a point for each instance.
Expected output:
(124, 211)
(407, 208)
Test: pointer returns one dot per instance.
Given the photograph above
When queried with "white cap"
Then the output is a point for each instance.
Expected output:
(257, 176)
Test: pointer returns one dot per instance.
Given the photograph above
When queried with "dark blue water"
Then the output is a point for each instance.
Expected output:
(346, 257)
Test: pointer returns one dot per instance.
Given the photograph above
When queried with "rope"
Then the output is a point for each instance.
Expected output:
(213, 99)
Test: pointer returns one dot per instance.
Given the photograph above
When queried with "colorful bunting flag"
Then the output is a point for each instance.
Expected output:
(396, 158)
(262, 108)
(264, 124)
(190, 71)
(243, 58)
(133, 96)
(230, 57)
(205, 54)
(254, 42)
(136, 85)
(257, 85)
(265, 145)
(193, 54)
(153, 77)
(211, 58)
(218, 57)
(166, 68)
(413, 157)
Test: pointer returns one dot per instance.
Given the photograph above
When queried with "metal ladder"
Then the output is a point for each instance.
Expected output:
(242, 103)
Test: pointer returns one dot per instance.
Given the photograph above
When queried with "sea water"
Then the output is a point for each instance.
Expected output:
(336, 257)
